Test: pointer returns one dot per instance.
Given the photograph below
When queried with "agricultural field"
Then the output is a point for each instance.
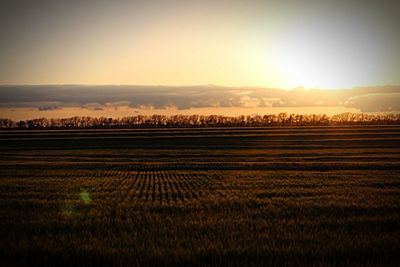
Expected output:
(296, 196)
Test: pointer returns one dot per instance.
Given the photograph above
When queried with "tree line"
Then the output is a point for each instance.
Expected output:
(175, 121)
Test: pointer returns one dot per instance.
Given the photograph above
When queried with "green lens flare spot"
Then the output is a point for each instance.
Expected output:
(85, 197)
(68, 211)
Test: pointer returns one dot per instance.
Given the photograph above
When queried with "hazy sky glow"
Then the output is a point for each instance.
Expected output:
(280, 44)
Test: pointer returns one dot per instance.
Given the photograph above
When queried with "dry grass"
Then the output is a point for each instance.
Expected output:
(300, 196)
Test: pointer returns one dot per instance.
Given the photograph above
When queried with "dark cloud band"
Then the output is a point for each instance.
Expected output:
(50, 97)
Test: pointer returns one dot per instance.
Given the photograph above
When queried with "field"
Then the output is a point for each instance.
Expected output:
(322, 196)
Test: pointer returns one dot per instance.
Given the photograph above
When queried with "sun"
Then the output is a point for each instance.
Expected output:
(329, 56)
(313, 65)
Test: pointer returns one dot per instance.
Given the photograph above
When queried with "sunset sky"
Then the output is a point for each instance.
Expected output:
(122, 58)
(275, 44)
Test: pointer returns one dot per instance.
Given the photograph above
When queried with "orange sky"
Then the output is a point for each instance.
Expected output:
(279, 44)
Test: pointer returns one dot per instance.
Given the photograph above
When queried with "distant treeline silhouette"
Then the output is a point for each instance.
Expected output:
(175, 121)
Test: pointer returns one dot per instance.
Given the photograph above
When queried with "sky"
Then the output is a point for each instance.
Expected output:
(275, 44)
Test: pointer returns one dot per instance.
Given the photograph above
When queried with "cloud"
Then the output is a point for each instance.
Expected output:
(47, 108)
(49, 97)
(250, 102)
(93, 106)
(375, 102)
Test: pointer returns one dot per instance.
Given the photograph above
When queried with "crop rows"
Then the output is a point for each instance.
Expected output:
(238, 201)
(120, 187)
